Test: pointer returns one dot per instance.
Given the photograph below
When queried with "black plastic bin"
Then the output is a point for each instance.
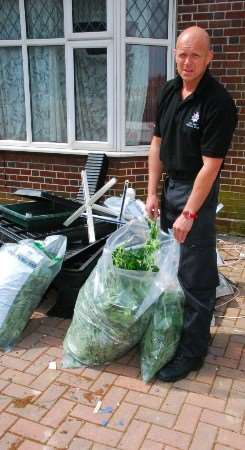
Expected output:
(72, 276)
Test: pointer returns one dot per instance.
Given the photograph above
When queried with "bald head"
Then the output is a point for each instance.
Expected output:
(194, 36)
(192, 55)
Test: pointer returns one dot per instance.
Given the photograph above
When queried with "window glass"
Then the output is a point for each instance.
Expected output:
(147, 18)
(12, 112)
(91, 93)
(44, 19)
(9, 19)
(48, 93)
(89, 15)
(146, 72)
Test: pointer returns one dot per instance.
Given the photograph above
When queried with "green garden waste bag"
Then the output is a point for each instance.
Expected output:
(26, 271)
(162, 335)
(114, 306)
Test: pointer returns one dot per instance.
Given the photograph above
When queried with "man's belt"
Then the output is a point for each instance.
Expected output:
(180, 175)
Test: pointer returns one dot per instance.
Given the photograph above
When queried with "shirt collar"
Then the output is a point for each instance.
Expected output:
(203, 83)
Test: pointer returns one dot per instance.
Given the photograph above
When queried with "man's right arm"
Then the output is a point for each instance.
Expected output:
(155, 173)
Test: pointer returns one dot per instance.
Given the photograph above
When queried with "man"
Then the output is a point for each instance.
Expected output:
(195, 121)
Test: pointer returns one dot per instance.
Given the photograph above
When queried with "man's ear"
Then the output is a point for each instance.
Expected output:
(210, 55)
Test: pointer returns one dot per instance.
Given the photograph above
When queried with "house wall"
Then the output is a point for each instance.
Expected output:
(225, 21)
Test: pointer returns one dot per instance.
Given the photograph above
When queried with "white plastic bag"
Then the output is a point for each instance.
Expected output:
(26, 270)
(106, 321)
(162, 335)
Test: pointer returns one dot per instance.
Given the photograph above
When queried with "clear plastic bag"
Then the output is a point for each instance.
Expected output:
(161, 338)
(26, 270)
(106, 321)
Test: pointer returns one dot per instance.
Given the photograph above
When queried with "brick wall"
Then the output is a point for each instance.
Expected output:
(225, 22)
(61, 174)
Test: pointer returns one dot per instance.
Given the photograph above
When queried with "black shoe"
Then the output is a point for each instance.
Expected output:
(179, 368)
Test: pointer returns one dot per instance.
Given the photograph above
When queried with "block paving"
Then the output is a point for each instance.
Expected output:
(46, 409)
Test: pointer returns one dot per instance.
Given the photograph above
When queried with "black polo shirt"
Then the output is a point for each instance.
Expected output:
(200, 125)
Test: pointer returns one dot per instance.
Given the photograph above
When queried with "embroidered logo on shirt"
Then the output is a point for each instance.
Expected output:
(193, 122)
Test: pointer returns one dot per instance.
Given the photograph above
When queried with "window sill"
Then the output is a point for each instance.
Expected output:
(62, 151)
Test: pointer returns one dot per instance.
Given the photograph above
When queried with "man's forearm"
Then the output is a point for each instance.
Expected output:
(155, 166)
(203, 184)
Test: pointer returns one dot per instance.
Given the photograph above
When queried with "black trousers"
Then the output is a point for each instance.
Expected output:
(197, 273)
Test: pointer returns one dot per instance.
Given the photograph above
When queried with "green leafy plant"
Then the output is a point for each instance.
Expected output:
(104, 324)
(142, 258)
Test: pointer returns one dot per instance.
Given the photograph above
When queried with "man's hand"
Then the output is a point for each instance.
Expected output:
(152, 206)
(181, 228)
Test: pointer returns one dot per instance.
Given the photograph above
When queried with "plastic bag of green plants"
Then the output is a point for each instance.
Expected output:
(162, 335)
(27, 269)
(106, 321)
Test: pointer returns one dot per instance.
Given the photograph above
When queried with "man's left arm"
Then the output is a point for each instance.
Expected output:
(201, 188)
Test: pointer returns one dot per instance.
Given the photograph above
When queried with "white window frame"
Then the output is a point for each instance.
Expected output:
(115, 40)
(167, 43)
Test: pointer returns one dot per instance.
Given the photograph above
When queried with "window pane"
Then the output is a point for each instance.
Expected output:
(91, 93)
(9, 19)
(89, 15)
(44, 19)
(12, 112)
(146, 72)
(147, 18)
(48, 94)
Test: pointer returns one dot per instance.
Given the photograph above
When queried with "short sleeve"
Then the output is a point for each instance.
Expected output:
(156, 131)
(219, 125)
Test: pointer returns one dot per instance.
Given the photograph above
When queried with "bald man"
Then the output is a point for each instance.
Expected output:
(195, 121)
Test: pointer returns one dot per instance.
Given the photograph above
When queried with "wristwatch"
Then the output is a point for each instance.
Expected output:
(189, 215)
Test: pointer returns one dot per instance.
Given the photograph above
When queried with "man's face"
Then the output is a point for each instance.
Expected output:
(192, 58)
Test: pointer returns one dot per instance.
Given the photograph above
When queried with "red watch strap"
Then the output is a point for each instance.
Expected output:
(189, 215)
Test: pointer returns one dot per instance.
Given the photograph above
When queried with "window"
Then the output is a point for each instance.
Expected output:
(82, 74)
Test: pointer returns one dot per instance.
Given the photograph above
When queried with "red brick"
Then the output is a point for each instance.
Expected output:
(221, 420)
(155, 417)
(160, 389)
(51, 395)
(127, 371)
(6, 420)
(30, 445)
(86, 413)
(234, 440)
(221, 387)
(17, 377)
(192, 386)
(4, 402)
(10, 441)
(100, 434)
(144, 399)
(174, 401)
(80, 444)
(65, 433)
(14, 363)
(31, 430)
(114, 396)
(151, 445)
(234, 350)
(236, 404)
(131, 383)
(134, 435)
(74, 380)
(188, 418)
(58, 413)
(204, 437)
(122, 416)
(28, 411)
(45, 379)
(206, 402)
(206, 374)
(169, 437)
(17, 391)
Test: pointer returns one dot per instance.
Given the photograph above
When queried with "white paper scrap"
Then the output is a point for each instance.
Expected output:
(97, 407)
(52, 365)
